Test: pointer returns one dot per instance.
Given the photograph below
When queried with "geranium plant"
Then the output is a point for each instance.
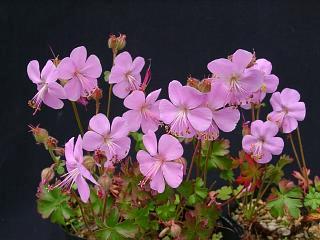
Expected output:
(129, 177)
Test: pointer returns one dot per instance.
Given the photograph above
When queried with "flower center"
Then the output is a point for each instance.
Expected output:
(36, 101)
(134, 85)
(257, 150)
(153, 170)
(180, 124)
(69, 179)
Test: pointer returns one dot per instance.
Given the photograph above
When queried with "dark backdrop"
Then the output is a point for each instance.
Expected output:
(181, 37)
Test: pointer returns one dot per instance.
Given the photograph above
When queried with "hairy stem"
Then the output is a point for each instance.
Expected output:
(76, 114)
(192, 160)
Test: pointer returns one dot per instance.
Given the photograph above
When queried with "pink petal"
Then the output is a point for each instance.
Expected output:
(157, 183)
(117, 75)
(56, 90)
(153, 96)
(87, 175)
(150, 143)
(137, 65)
(176, 93)
(217, 97)
(119, 128)
(100, 124)
(266, 157)
(200, 118)
(83, 188)
(251, 80)
(49, 73)
(108, 152)
(73, 89)
(263, 65)
(149, 124)
(247, 142)
(92, 141)
(68, 151)
(222, 67)
(297, 110)
(168, 112)
(173, 173)
(170, 148)
(124, 60)
(146, 162)
(124, 147)
(289, 124)
(33, 71)
(242, 58)
(271, 81)
(133, 117)
(263, 129)
(226, 118)
(289, 95)
(66, 69)
(276, 102)
(92, 67)
(135, 100)
(273, 145)
(121, 89)
(79, 56)
(191, 97)
(78, 152)
(52, 101)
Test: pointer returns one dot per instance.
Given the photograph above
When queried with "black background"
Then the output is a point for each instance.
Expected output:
(181, 37)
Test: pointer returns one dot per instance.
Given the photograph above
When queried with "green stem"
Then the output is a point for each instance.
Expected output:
(206, 163)
(295, 152)
(104, 207)
(192, 160)
(76, 114)
(53, 156)
(81, 210)
(258, 111)
(301, 149)
(109, 100)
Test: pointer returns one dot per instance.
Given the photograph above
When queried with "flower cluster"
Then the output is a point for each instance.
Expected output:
(101, 163)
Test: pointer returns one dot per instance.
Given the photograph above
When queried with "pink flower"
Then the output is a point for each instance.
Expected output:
(269, 84)
(144, 111)
(184, 114)
(81, 73)
(77, 173)
(49, 91)
(158, 163)
(238, 81)
(287, 110)
(223, 118)
(126, 74)
(261, 143)
(114, 141)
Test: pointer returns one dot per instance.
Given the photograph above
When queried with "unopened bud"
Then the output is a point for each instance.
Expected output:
(59, 151)
(105, 182)
(89, 163)
(40, 134)
(205, 85)
(117, 43)
(175, 230)
(47, 175)
(97, 94)
(51, 143)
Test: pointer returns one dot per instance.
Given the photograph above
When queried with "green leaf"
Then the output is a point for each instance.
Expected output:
(312, 199)
(106, 75)
(127, 229)
(217, 236)
(217, 155)
(227, 175)
(138, 139)
(54, 204)
(186, 189)
(224, 193)
(166, 212)
(113, 217)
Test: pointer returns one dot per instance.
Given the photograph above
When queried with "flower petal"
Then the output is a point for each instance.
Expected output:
(100, 124)
(68, 151)
(173, 173)
(66, 69)
(289, 95)
(78, 152)
(83, 188)
(217, 97)
(247, 142)
(251, 80)
(273, 145)
(222, 67)
(170, 148)
(52, 101)
(92, 141)
(263, 65)
(149, 124)
(226, 118)
(117, 74)
(266, 157)
(79, 56)
(121, 89)
(153, 96)
(176, 93)
(123, 60)
(133, 117)
(33, 70)
(137, 65)
(56, 90)
(135, 100)
(297, 110)
(150, 143)
(146, 162)
(242, 58)
(276, 102)
(157, 183)
(49, 73)
(289, 124)
(200, 118)
(271, 82)
(73, 89)
(168, 111)
(123, 147)
(92, 67)
(119, 128)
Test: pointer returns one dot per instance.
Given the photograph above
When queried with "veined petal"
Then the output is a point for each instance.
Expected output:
(49, 73)
(124, 60)
(123, 147)
(217, 97)
(153, 96)
(78, 152)
(66, 69)
(149, 124)
(92, 141)
(69, 146)
(146, 162)
(83, 188)
(226, 118)
(169, 147)
(117, 74)
(200, 118)
(157, 182)
(100, 124)
(56, 90)
(242, 58)
(33, 70)
(73, 89)
(134, 118)
(176, 93)
(273, 145)
(135, 100)
(137, 65)
(121, 89)
(222, 68)
(119, 128)
(251, 80)
(150, 143)
(79, 56)
(52, 101)
(173, 173)
(92, 67)
(168, 112)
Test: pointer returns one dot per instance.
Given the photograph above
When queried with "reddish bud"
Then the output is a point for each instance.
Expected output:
(47, 175)
(41, 135)
(59, 151)
(97, 94)
(51, 143)
(105, 182)
(117, 43)
(89, 163)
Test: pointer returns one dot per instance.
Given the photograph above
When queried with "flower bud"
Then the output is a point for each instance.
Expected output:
(105, 182)
(117, 43)
(40, 134)
(47, 175)
(89, 163)
(51, 143)
(96, 94)
(59, 151)
(205, 85)
(175, 230)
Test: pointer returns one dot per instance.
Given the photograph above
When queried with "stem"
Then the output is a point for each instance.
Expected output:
(81, 209)
(295, 152)
(258, 111)
(97, 106)
(206, 163)
(52, 155)
(91, 209)
(109, 100)
(192, 160)
(104, 208)
(301, 149)
(252, 112)
(76, 114)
